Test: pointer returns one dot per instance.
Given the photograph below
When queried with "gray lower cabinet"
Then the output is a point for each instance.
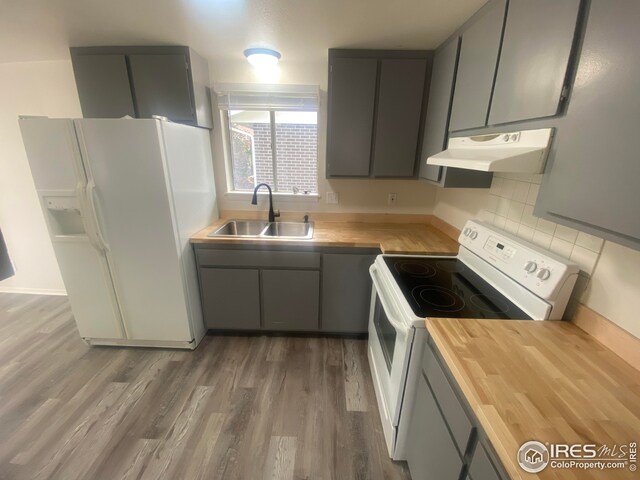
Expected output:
(477, 67)
(481, 467)
(536, 49)
(431, 452)
(346, 292)
(103, 86)
(230, 298)
(290, 299)
(592, 180)
(352, 83)
(142, 81)
(400, 100)
(436, 128)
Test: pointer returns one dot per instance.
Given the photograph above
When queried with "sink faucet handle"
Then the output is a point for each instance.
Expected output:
(276, 214)
(306, 219)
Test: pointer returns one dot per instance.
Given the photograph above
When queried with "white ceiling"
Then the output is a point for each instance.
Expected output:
(302, 30)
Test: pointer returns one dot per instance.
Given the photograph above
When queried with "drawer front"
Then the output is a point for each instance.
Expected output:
(454, 414)
(254, 258)
(481, 466)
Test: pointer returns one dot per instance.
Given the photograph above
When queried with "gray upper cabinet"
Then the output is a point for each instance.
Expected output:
(352, 83)
(290, 299)
(400, 100)
(535, 55)
(143, 81)
(346, 292)
(477, 67)
(161, 86)
(103, 86)
(436, 127)
(592, 182)
(376, 111)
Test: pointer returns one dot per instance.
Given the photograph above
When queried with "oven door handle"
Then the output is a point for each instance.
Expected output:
(399, 327)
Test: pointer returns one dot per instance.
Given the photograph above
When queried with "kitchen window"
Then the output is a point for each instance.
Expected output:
(272, 133)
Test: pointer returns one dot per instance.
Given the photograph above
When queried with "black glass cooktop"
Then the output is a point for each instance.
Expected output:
(446, 287)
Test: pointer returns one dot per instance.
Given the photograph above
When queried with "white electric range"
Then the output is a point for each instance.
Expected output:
(495, 275)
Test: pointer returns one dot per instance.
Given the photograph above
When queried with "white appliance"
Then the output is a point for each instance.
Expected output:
(495, 276)
(121, 198)
(517, 152)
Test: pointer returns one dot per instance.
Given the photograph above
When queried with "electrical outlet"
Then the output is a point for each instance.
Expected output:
(332, 198)
(391, 200)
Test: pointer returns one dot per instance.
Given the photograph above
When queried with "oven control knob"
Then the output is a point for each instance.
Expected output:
(531, 266)
(473, 235)
(544, 274)
(466, 231)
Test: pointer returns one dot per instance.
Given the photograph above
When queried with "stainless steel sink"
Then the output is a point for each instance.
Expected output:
(261, 229)
(289, 230)
(241, 228)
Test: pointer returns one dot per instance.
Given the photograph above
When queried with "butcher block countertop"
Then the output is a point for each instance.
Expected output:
(545, 381)
(402, 238)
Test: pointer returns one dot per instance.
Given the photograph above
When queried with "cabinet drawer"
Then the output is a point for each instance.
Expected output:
(256, 259)
(453, 411)
(481, 466)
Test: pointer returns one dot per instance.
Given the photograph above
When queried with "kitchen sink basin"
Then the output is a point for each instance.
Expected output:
(289, 230)
(241, 228)
(261, 229)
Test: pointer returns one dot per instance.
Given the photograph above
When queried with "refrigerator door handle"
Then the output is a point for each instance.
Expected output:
(81, 194)
(91, 200)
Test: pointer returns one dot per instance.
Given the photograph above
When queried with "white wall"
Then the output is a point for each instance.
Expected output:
(362, 195)
(615, 270)
(29, 88)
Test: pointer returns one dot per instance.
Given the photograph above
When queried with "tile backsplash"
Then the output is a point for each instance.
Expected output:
(510, 207)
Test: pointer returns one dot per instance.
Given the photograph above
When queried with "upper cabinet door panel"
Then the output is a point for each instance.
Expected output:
(103, 86)
(400, 101)
(477, 68)
(352, 91)
(594, 176)
(161, 86)
(440, 95)
(536, 49)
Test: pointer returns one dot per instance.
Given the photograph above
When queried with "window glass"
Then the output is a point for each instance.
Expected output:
(297, 151)
(251, 155)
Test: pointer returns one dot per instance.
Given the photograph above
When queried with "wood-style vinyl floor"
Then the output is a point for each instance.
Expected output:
(236, 408)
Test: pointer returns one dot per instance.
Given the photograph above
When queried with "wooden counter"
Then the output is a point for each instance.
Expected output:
(546, 381)
(403, 238)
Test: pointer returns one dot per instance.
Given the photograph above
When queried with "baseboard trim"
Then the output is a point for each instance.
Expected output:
(615, 338)
(32, 291)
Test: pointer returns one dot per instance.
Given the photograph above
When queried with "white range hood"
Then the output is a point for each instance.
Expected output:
(518, 152)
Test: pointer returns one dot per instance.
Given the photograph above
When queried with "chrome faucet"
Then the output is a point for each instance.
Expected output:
(254, 201)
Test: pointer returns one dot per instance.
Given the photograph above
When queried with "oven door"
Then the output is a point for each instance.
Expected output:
(390, 342)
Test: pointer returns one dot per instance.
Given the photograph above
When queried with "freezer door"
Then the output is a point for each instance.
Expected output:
(52, 150)
(86, 277)
(125, 160)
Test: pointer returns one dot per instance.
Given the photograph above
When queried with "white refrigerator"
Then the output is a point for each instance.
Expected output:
(121, 197)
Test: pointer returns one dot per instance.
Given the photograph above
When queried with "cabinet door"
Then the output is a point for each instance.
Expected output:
(533, 60)
(431, 452)
(398, 114)
(103, 86)
(481, 467)
(346, 292)
(290, 299)
(593, 180)
(477, 67)
(161, 86)
(352, 91)
(440, 95)
(230, 298)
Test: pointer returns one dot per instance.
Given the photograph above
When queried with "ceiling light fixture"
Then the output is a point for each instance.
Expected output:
(262, 58)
